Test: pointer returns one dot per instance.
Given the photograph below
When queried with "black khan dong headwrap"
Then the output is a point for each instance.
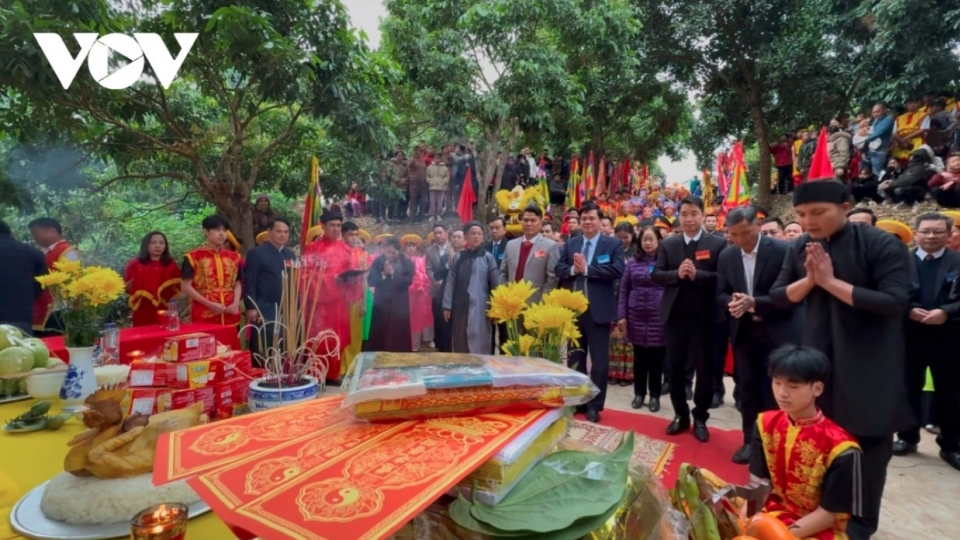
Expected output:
(820, 191)
(330, 215)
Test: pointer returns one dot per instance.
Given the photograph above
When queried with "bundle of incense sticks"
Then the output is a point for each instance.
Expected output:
(293, 353)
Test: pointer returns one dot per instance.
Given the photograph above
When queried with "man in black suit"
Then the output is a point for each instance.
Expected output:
(687, 267)
(20, 265)
(497, 246)
(263, 282)
(932, 330)
(592, 263)
(746, 272)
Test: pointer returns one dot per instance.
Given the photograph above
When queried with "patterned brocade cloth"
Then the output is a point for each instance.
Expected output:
(621, 358)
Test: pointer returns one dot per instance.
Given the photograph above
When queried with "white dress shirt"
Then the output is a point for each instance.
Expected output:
(921, 254)
(688, 239)
(750, 266)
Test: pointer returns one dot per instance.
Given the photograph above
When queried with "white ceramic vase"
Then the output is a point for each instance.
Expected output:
(263, 397)
(80, 380)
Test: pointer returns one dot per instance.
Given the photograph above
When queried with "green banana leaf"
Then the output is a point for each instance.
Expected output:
(561, 490)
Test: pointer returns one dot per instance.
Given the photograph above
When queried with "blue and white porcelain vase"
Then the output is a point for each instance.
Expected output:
(265, 395)
(80, 380)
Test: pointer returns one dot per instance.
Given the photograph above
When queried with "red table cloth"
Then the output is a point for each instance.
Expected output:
(146, 340)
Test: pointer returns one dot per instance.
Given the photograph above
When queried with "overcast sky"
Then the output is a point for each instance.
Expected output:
(366, 15)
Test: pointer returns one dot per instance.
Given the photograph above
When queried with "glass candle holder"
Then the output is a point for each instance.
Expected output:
(166, 521)
(162, 318)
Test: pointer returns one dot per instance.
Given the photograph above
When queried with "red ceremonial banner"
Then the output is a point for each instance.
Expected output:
(338, 479)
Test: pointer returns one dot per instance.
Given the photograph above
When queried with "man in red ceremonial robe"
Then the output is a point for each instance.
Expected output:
(152, 279)
(326, 289)
(211, 277)
(811, 463)
(48, 235)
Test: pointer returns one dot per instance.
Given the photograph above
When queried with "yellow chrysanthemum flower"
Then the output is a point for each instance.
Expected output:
(572, 300)
(544, 316)
(571, 334)
(53, 279)
(526, 344)
(68, 267)
(97, 285)
(508, 300)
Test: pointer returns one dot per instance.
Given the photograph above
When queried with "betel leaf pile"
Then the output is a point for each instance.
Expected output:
(563, 497)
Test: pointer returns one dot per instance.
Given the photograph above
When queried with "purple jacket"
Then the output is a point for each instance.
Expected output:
(639, 302)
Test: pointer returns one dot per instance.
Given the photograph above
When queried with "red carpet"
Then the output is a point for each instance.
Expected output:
(714, 455)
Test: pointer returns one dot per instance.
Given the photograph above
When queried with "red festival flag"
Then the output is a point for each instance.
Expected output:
(311, 208)
(601, 179)
(820, 167)
(467, 198)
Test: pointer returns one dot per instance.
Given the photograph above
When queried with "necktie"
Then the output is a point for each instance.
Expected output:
(929, 257)
(522, 261)
(587, 244)
(495, 247)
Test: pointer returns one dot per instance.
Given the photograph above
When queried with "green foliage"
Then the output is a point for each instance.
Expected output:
(561, 492)
(266, 86)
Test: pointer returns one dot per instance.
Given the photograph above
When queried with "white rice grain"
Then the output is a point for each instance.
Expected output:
(96, 501)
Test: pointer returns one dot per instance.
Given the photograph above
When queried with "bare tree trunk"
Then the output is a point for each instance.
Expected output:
(487, 165)
(762, 132)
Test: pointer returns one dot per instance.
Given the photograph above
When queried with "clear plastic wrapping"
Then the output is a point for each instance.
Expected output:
(644, 513)
(404, 386)
(494, 480)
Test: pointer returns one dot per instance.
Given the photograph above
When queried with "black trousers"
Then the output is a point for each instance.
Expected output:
(785, 179)
(690, 338)
(877, 452)
(926, 347)
(596, 340)
(648, 370)
(399, 210)
(721, 339)
(750, 353)
(441, 327)
(497, 342)
(908, 195)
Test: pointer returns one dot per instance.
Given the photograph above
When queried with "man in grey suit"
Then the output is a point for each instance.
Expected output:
(437, 257)
(532, 257)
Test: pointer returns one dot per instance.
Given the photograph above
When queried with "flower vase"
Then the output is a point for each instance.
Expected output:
(80, 380)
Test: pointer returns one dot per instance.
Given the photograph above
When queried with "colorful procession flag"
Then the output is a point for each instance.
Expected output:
(589, 179)
(820, 167)
(573, 185)
(542, 187)
(737, 193)
(311, 209)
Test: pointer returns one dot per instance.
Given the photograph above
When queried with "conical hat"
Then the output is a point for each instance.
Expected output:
(365, 236)
(899, 228)
(381, 237)
(315, 232)
(411, 239)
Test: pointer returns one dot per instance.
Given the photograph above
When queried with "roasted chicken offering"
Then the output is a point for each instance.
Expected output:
(118, 447)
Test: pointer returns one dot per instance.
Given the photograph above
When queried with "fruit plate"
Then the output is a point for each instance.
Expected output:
(14, 398)
(27, 519)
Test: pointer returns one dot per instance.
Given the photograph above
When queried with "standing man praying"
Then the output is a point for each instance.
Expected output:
(687, 267)
(854, 286)
(593, 263)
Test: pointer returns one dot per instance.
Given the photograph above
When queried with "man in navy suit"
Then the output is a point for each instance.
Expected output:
(687, 267)
(592, 263)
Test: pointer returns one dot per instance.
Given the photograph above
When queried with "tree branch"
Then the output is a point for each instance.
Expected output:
(146, 176)
(270, 148)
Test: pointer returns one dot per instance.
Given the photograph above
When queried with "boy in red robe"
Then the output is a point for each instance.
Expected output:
(211, 277)
(811, 464)
(48, 235)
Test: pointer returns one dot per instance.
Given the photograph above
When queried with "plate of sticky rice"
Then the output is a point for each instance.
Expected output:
(69, 507)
